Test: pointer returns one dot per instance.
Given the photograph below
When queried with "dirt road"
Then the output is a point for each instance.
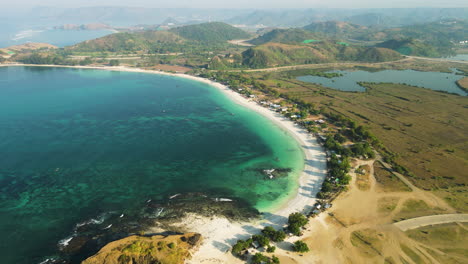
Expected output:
(431, 220)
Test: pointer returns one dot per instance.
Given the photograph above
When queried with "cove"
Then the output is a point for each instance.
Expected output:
(80, 143)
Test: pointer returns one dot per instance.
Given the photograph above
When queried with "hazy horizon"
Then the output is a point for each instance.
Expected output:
(243, 4)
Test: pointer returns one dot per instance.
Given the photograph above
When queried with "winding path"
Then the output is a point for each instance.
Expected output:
(430, 220)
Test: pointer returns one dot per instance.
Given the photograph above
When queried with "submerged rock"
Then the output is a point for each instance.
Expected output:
(172, 249)
(275, 172)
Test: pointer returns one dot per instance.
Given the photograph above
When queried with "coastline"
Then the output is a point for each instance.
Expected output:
(219, 234)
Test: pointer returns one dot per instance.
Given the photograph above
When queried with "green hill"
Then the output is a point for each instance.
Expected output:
(410, 47)
(211, 32)
(288, 36)
(279, 54)
(436, 35)
(128, 42)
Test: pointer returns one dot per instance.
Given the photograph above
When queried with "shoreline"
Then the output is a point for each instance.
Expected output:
(219, 234)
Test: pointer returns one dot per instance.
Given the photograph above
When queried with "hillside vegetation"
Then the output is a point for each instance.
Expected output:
(129, 42)
(178, 39)
(336, 29)
(435, 37)
(277, 54)
(410, 47)
(288, 36)
(211, 32)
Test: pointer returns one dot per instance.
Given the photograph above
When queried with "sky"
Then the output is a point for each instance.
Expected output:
(241, 3)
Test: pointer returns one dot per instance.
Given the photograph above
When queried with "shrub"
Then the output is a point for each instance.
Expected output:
(259, 258)
(271, 249)
(300, 246)
(275, 260)
(114, 63)
(262, 240)
(239, 246)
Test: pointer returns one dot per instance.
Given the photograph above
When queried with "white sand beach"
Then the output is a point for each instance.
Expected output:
(219, 234)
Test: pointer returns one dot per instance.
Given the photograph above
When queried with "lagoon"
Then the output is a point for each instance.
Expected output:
(438, 81)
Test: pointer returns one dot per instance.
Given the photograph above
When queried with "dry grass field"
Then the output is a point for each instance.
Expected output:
(425, 128)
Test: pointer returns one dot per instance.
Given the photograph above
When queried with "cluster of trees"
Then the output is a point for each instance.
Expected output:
(295, 223)
(275, 236)
(53, 59)
(338, 171)
(38, 58)
(114, 63)
(361, 149)
(268, 234)
(362, 134)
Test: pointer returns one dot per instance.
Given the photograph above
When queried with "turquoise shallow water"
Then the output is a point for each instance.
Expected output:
(78, 143)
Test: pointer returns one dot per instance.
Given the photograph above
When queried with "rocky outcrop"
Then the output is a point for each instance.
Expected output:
(172, 249)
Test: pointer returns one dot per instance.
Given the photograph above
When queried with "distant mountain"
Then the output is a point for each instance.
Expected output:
(211, 32)
(397, 17)
(335, 29)
(380, 17)
(292, 35)
(275, 18)
(92, 26)
(278, 54)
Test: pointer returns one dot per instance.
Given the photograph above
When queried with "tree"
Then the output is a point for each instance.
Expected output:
(259, 258)
(327, 187)
(300, 246)
(276, 236)
(297, 218)
(240, 246)
(86, 61)
(296, 221)
(338, 137)
(275, 260)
